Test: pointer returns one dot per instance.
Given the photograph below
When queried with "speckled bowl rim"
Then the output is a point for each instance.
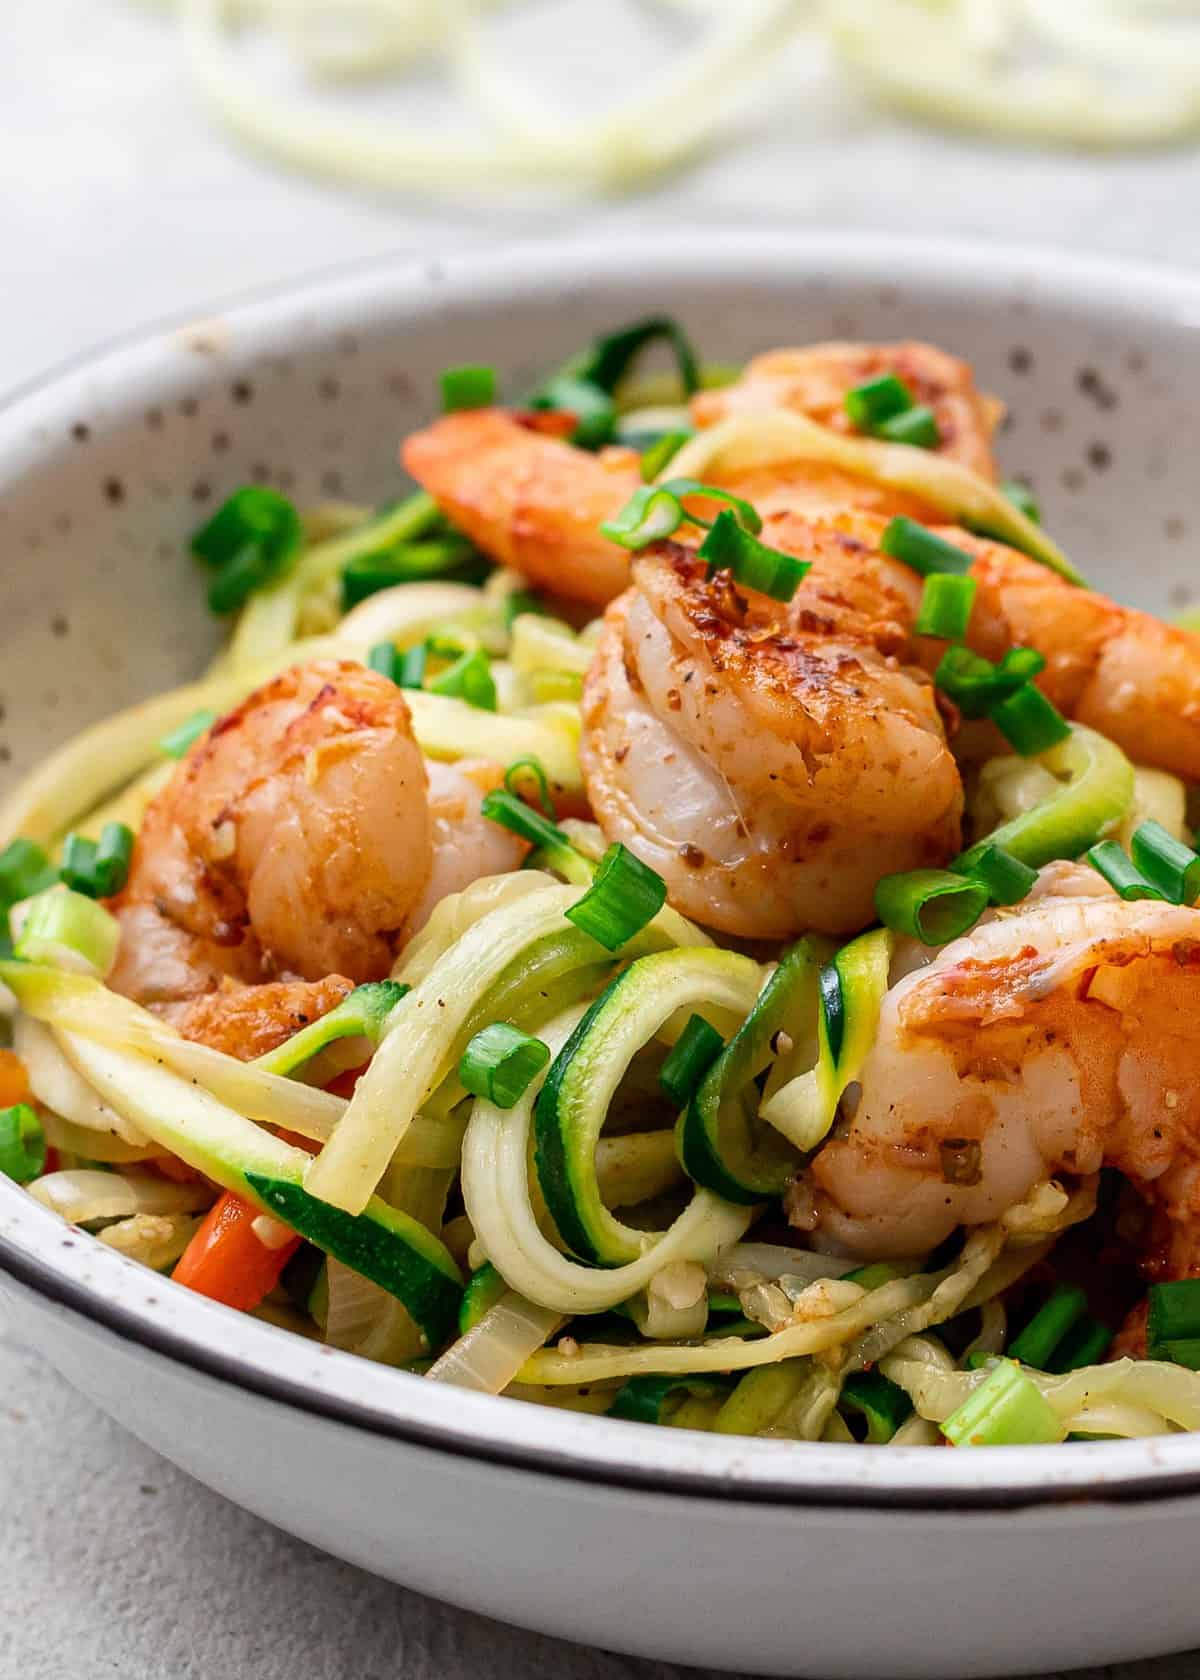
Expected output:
(82, 1275)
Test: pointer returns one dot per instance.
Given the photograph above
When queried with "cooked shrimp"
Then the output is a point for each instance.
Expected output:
(815, 380)
(529, 500)
(248, 1021)
(295, 838)
(466, 844)
(1053, 1040)
(1119, 670)
(769, 773)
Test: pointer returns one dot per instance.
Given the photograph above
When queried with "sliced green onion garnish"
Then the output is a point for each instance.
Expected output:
(252, 540)
(689, 1059)
(946, 603)
(744, 512)
(1006, 1410)
(1174, 1314)
(882, 1403)
(530, 767)
(606, 360)
(1006, 878)
(917, 427)
(1038, 1342)
(932, 905)
(1109, 859)
(366, 574)
(499, 1063)
(1029, 722)
(975, 684)
(78, 867)
(625, 895)
(22, 1143)
(923, 550)
(178, 742)
(594, 410)
(468, 387)
(384, 657)
(68, 930)
(24, 870)
(729, 547)
(1167, 862)
(505, 808)
(1023, 499)
(1085, 1344)
(877, 400)
(1185, 1351)
(651, 515)
(656, 456)
(470, 679)
(114, 852)
(406, 670)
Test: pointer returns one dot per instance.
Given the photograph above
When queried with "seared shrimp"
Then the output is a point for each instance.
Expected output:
(249, 1021)
(1054, 1040)
(815, 380)
(528, 500)
(770, 774)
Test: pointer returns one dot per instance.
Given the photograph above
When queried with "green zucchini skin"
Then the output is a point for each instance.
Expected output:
(484, 1288)
(381, 1244)
(643, 1399)
(707, 1151)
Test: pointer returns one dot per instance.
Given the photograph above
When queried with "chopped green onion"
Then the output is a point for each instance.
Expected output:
(877, 400)
(22, 1143)
(532, 767)
(1167, 862)
(594, 409)
(606, 360)
(470, 679)
(1174, 1314)
(499, 1063)
(1086, 1344)
(468, 387)
(1029, 722)
(917, 427)
(252, 540)
(78, 867)
(653, 1399)
(24, 870)
(664, 449)
(975, 684)
(366, 574)
(1006, 878)
(922, 550)
(178, 742)
(68, 930)
(651, 515)
(98, 868)
(1124, 877)
(505, 808)
(753, 564)
(406, 670)
(689, 1059)
(1038, 1342)
(932, 905)
(625, 895)
(882, 1403)
(744, 512)
(1006, 1410)
(1023, 499)
(946, 603)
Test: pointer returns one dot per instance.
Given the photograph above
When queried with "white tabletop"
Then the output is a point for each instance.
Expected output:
(121, 204)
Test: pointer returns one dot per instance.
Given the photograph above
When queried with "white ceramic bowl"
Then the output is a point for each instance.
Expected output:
(758, 1555)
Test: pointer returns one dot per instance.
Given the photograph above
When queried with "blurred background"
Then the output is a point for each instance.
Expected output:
(159, 157)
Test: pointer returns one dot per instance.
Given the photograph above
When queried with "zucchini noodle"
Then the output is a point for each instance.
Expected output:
(1098, 73)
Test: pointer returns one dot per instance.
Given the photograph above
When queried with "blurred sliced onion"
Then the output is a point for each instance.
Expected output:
(55, 1082)
(84, 1194)
(489, 1356)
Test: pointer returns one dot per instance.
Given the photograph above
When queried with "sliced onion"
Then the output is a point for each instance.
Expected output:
(55, 1082)
(84, 1194)
(491, 1353)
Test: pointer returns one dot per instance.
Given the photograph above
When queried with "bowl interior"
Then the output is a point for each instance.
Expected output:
(106, 468)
